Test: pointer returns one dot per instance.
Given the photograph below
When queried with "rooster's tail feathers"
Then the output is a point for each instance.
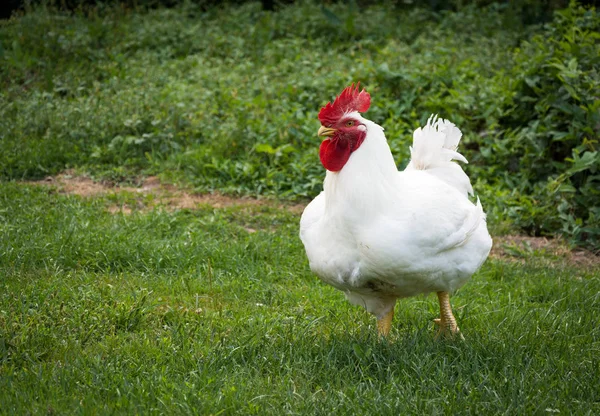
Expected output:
(434, 150)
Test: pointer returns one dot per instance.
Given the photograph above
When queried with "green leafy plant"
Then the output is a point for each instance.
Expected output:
(548, 134)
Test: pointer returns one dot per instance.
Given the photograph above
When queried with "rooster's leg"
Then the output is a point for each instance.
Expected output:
(446, 322)
(384, 324)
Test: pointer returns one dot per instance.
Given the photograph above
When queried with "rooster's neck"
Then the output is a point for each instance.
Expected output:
(369, 177)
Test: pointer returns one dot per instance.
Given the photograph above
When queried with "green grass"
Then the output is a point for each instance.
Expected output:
(187, 312)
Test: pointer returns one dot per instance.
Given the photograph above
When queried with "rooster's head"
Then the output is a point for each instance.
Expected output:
(342, 127)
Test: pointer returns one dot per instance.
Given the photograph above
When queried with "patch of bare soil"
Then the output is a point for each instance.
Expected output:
(151, 193)
(78, 185)
(517, 248)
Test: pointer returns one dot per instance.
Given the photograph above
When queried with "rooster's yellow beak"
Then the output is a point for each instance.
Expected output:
(326, 131)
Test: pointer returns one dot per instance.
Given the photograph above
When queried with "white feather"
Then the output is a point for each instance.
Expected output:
(434, 149)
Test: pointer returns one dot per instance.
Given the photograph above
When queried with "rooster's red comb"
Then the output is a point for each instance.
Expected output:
(351, 99)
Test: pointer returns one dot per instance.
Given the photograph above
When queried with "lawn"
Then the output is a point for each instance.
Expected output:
(154, 165)
(122, 303)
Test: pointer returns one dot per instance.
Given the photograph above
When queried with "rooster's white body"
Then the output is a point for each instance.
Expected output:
(378, 234)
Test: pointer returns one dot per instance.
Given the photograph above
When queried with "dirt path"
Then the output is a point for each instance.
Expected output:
(166, 195)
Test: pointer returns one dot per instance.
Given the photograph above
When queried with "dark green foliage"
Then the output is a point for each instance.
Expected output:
(226, 98)
(546, 147)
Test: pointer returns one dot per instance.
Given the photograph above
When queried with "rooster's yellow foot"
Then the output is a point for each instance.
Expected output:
(447, 323)
(447, 330)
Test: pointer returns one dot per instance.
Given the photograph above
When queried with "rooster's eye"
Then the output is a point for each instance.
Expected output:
(349, 123)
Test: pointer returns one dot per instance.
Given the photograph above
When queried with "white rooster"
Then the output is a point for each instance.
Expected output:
(378, 234)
